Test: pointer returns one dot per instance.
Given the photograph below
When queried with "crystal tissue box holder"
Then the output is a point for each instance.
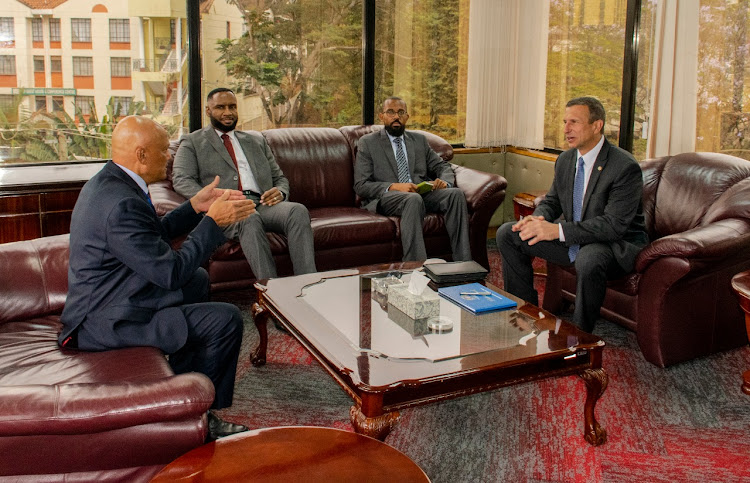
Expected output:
(381, 284)
(415, 306)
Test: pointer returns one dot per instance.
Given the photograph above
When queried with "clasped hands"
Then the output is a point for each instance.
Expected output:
(535, 229)
(438, 184)
(225, 206)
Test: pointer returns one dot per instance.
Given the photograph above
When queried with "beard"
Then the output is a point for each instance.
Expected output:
(395, 131)
(216, 123)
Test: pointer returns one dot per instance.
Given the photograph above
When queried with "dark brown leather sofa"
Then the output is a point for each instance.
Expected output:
(319, 163)
(67, 415)
(679, 299)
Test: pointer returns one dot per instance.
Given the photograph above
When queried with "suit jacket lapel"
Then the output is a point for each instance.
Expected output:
(601, 161)
(215, 141)
(385, 143)
(411, 154)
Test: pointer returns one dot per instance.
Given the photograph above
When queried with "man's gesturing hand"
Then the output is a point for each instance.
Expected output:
(226, 211)
(204, 198)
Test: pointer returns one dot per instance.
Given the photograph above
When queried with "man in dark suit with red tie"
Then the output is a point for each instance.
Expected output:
(244, 161)
(591, 217)
(128, 287)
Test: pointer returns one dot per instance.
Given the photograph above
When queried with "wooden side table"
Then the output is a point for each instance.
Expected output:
(741, 285)
(525, 202)
(293, 453)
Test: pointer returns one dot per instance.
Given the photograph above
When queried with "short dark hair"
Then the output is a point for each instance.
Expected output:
(216, 91)
(392, 98)
(596, 109)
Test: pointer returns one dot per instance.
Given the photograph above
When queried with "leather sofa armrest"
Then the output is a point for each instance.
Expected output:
(164, 198)
(95, 407)
(710, 243)
(479, 187)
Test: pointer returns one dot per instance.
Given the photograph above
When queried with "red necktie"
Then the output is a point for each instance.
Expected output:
(228, 145)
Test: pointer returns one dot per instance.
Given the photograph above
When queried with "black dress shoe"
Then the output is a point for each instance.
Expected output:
(218, 428)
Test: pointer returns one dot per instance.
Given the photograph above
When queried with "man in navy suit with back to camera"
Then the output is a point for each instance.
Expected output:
(390, 163)
(128, 287)
(597, 190)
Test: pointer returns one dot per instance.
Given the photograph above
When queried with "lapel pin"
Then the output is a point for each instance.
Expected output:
(599, 168)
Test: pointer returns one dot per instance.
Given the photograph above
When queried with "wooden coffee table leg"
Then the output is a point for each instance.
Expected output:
(596, 382)
(260, 316)
(375, 423)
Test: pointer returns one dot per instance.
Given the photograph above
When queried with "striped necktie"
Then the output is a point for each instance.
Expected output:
(403, 166)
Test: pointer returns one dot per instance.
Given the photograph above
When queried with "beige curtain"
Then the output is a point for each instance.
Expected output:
(672, 126)
(507, 73)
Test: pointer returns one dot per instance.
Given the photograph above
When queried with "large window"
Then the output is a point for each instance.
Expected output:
(119, 30)
(38, 63)
(83, 66)
(80, 29)
(54, 30)
(420, 57)
(120, 66)
(37, 30)
(7, 65)
(55, 64)
(299, 64)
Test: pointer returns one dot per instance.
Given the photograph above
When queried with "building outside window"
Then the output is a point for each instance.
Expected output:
(7, 32)
(38, 63)
(83, 66)
(55, 64)
(54, 30)
(80, 29)
(119, 30)
(85, 104)
(37, 30)
(7, 65)
(120, 66)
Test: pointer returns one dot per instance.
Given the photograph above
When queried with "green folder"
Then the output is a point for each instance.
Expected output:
(424, 187)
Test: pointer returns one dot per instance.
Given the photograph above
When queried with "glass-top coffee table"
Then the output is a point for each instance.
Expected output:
(387, 361)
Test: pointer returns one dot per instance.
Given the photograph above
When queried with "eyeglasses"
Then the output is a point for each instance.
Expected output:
(391, 113)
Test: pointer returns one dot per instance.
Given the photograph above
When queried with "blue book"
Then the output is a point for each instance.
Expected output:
(476, 298)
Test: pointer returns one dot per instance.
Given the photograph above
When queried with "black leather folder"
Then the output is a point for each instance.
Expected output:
(455, 272)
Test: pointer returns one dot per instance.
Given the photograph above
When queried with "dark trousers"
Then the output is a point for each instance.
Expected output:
(214, 338)
(594, 264)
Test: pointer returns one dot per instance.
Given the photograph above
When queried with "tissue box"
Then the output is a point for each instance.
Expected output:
(415, 327)
(415, 306)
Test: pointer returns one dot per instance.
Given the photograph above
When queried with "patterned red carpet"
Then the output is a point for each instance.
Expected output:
(689, 423)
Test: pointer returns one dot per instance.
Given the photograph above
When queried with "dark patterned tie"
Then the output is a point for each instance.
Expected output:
(403, 166)
(577, 203)
(230, 148)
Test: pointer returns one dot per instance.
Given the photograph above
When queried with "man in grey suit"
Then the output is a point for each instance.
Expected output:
(244, 161)
(597, 190)
(128, 287)
(390, 163)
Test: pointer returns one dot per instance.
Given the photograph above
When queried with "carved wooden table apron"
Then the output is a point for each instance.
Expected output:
(387, 361)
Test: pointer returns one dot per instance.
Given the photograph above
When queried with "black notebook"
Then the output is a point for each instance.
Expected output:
(453, 272)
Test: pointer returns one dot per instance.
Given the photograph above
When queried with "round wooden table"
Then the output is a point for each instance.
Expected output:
(295, 453)
(741, 285)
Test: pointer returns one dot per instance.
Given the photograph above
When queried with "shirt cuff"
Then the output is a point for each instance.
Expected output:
(561, 235)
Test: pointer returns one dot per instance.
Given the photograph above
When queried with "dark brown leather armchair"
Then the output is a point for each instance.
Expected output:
(68, 415)
(679, 300)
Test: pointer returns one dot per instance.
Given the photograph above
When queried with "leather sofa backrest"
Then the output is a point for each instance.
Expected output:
(317, 162)
(689, 190)
(438, 144)
(34, 278)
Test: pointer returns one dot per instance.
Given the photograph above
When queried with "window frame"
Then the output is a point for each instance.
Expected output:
(83, 64)
(80, 29)
(119, 30)
(7, 65)
(55, 26)
(120, 66)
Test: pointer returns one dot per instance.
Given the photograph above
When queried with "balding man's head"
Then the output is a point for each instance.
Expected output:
(141, 145)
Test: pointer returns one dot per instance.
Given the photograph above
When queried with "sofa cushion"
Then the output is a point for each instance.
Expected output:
(344, 227)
